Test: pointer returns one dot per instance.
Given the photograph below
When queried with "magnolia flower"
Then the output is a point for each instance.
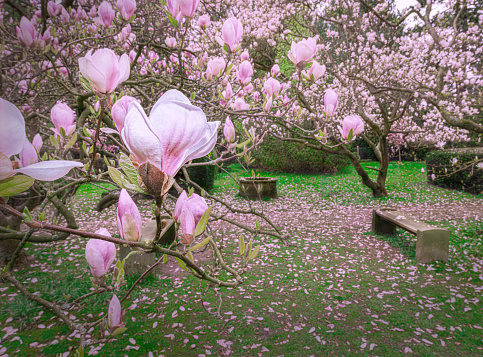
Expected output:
(188, 212)
(129, 222)
(330, 102)
(37, 142)
(214, 67)
(54, 8)
(106, 14)
(245, 56)
(245, 72)
(174, 133)
(354, 123)
(303, 52)
(100, 254)
(64, 16)
(229, 130)
(315, 72)
(174, 9)
(104, 69)
(204, 21)
(268, 104)
(240, 104)
(62, 116)
(114, 314)
(188, 7)
(170, 42)
(119, 111)
(126, 8)
(272, 87)
(26, 33)
(28, 155)
(275, 71)
(232, 32)
(12, 138)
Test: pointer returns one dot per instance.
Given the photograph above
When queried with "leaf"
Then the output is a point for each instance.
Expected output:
(54, 142)
(15, 184)
(200, 245)
(241, 245)
(165, 258)
(189, 255)
(71, 142)
(254, 253)
(351, 134)
(27, 216)
(181, 264)
(118, 331)
(128, 168)
(173, 21)
(106, 161)
(41, 216)
(116, 175)
(200, 227)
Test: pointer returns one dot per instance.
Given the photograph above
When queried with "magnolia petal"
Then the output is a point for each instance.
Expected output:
(28, 155)
(109, 131)
(179, 205)
(37, 142)
(139, 139)
(49, 170)
(6, 169)
(124, 68)
(169, 96)
(114, 312)
(187, 220)
(94, 259)
(197, 205)
(130, 230)
(127, 206)
(12, 129)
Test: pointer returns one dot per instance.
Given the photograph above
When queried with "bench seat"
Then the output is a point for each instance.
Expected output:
(432, 242)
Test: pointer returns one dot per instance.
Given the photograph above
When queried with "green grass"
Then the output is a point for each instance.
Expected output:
(339, 291)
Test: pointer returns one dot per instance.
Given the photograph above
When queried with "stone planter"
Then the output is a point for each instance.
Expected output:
(138, 263)
(258, 187)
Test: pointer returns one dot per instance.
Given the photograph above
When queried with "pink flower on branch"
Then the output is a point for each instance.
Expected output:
(106, 14)
(104, 69)
(232, 32)
(174, 133)
(330, 102)
(119, 111)
(129, 222)
(245, 72)
(114, 314)
(229, 130)
(204, 21)
(188, 212)
(126, 8)
(303, 52)
(62, 117)
(352, 123)
(12, 139)
(100, 254)
(26, 32)
(188, 7)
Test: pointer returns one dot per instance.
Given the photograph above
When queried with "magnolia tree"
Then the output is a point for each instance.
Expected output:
(131, 92)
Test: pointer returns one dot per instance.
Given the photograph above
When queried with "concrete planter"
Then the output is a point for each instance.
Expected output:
(258, 187)
(138, 263)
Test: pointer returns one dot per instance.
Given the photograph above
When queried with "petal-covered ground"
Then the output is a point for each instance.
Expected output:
(338, 289)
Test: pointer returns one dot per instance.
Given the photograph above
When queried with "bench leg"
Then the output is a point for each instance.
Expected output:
(380, 226)
(432, 245)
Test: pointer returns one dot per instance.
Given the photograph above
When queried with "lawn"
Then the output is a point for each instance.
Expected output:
(337, 290)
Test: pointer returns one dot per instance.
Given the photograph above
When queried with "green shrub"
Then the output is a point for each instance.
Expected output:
(283, 156)
(202, 175)
(461, 175)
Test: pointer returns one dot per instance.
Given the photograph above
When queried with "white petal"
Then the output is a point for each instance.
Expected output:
(12, 129)
(49, 170)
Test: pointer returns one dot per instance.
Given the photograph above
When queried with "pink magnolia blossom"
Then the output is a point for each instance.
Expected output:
(215, 67)
(175, 133)
(128, 219)
(54, 8)
(174, 10)
(240, 104)
(268, 104)
(232, 32)
(28, 155)
(106, 14)
(188, 7)
(126, 8)
(204, 21)
(26, 33)
(37, 142)
(272, 87)
(354, 123)
(62, 116)
(188, 212)
(170, 42)
(330, 102)
(100, 254)
(245, 56)
(275, 71)
(64, 16)
(120, 109)
(12, 133)
(229, 130)
(245, 72)
(104, 69)
(303, 52)
(114, 314)
(315, 72)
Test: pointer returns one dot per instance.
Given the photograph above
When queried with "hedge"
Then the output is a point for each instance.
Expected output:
(203, 175)
(462, 175)
(285, 156)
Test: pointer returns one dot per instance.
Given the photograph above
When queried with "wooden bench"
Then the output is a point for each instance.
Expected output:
(432, 243)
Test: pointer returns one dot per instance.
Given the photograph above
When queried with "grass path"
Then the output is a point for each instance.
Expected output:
(340, 291)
